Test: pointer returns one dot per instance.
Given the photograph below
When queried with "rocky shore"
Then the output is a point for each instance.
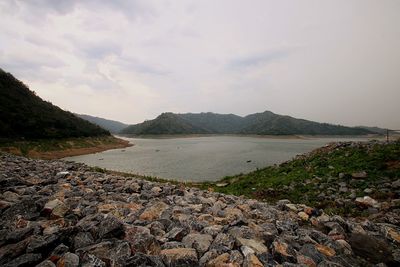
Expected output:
(56, 213)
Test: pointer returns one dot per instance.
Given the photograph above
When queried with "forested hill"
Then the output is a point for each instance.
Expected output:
(110, 125)
(265, 123)
(25, 115)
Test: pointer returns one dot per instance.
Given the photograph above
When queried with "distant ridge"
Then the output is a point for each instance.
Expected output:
(110, 125)
(25, 115)
(265, 123)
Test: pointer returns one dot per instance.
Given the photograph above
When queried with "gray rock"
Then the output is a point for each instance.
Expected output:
(142, 241)
(310, 251)
(179, 257)
(46, 263)
(223, 243)
(25, 260)
(370, 248)
(83, 239)
(111, 227)
(143, 260)
(200, 242)
(69, 260)
(42, 243)
(177, 233)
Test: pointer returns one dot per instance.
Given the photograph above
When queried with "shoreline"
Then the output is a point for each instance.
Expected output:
(58, 149)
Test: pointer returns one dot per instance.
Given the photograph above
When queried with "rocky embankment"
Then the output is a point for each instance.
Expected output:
(56, 213)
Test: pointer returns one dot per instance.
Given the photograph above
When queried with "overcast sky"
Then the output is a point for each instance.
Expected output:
(329, 61)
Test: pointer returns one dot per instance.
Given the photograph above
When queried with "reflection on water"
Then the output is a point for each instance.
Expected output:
(201, 158)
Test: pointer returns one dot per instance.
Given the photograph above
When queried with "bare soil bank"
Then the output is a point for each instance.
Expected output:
(56, 149)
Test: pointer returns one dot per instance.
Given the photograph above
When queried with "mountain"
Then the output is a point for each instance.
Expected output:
(25, 115)
(166, 123)
(269, 123)
(110, 125)
(376, 130)
(266, 123)
(215, 123)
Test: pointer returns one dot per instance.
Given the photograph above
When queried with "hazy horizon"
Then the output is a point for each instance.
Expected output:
(326, 61)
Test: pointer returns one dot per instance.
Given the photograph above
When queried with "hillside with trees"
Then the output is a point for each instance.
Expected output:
(109, 125)
(266, 123)
(24, 115)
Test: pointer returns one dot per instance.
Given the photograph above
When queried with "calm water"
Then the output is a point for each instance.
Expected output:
(200, 158)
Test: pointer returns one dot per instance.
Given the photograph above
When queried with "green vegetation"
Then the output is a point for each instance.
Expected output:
(24, 115)
(166, 123)
(304, 178)
(266, 123)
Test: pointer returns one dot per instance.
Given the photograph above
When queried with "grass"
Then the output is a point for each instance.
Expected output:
(299, 180)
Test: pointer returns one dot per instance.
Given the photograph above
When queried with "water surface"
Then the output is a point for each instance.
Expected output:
(201, 158)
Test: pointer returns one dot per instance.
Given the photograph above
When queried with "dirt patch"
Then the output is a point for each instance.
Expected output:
(62, 148)
(77, 151)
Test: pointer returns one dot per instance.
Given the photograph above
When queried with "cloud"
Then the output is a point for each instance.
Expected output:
(258, 59)
(132, 59)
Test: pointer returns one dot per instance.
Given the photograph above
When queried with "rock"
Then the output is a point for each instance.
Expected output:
(111, 226)
(19, 234)
(359, 175)
(83, 239)
(212, 230)
(68, 260)
(221, 260)
(396, 184)
(153, 212)
(90, 260)
(344, 247)
(55, 208)
(179, 257)
(370, 248)
(114, 251)
(283, 251)
(110, 220)
(61, 175)
(221, 184)
(200, 242)
(58, 252)
(24, 260)
(141, 240)
(304, 260)
(390, 233)
(46, 263)
(42, 243)
(327, 251)
(368, 190)
(25, 209)
(291, 207)
(223, 242)
(257, 246)
(143, 260)
(287, 225)
(236, 258)
(177, 233)
(367, 202)
(312, 252)
(252, 261)
(247, 250)
(10, 196)
(304, 216)
(208, 257)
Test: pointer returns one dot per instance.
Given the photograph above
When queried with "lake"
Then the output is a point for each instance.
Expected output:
(201, 158)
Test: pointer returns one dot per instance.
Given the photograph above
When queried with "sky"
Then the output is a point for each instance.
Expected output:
(327, 61)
